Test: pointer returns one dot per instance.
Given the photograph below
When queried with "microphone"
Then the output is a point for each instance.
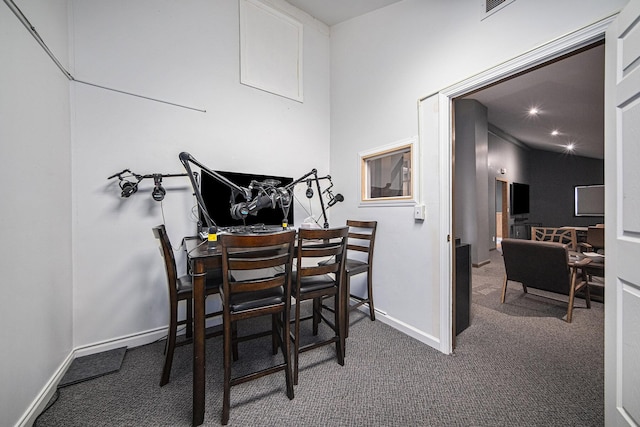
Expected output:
(261, 202)
(241, 210)
(335, 199)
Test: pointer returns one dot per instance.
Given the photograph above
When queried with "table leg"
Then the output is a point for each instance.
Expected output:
(199, 279)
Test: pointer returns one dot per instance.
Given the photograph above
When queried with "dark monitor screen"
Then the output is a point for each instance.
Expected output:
(217, 200)
(589, 200)
(519, 198)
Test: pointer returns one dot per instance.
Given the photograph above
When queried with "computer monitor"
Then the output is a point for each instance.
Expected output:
(217, 200)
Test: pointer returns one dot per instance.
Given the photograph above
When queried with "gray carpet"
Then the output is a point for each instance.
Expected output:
(511, 367)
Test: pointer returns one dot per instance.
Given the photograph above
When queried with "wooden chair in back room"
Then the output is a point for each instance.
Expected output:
(180, 289)
(564, 235)
(256, 271)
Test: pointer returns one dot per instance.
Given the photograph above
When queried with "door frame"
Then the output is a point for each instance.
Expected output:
(561, 46)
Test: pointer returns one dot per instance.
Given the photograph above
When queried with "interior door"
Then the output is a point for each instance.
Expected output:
(622, 213)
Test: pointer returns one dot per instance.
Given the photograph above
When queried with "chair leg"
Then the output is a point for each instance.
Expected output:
(171, 345)
(504, 289)
(226, 398)
(189, 331)
(347, 303)
(274, 334)
(317, 306)
(587, 294)
(234, 341)
(296, 342)
(338, 319)
(286, 352)
(572, 294)
(372, 313)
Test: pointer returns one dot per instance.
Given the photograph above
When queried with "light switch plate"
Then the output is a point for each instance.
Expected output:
(419, 212)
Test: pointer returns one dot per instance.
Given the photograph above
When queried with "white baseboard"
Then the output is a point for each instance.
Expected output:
(41, 400)
(421, 336)
(129, 341)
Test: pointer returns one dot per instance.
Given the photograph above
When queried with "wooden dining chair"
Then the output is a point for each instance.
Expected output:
(361, 240)
(362, 236)
(256, 281)
(317, 281)
(181, 289)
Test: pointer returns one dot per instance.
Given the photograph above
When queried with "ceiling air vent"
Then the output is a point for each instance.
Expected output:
(489, 7)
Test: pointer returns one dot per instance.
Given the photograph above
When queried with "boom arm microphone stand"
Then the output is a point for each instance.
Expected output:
(317, 179)
(185, 159)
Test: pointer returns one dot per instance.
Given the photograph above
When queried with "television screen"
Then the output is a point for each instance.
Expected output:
(217, 200)
(519, 198)
(589, 200)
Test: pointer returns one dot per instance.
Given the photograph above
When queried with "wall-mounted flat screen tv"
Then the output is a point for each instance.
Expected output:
(589, 200)
(217, 199)
(519, 198)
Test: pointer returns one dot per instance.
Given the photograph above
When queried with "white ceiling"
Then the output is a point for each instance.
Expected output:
(569, 92)
(570, 96)
(333, 12)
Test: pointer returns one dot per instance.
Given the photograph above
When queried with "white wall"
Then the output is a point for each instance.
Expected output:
(35, 207)
(381, 64)
(185, 52)
(471, 181)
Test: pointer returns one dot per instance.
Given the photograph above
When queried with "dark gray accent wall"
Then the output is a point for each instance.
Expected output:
(508, 156)
(552, 178)
(479, 162)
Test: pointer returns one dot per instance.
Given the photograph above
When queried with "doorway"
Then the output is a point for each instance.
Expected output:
(533, 60)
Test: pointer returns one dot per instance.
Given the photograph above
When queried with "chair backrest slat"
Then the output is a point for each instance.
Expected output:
(258, 284)
(333, 246)
(245, 263)
(362, 235)
(252, 263)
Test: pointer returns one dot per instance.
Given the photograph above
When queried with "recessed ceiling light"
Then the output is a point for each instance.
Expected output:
(570, 147)
(533, 111)
(555, 132)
